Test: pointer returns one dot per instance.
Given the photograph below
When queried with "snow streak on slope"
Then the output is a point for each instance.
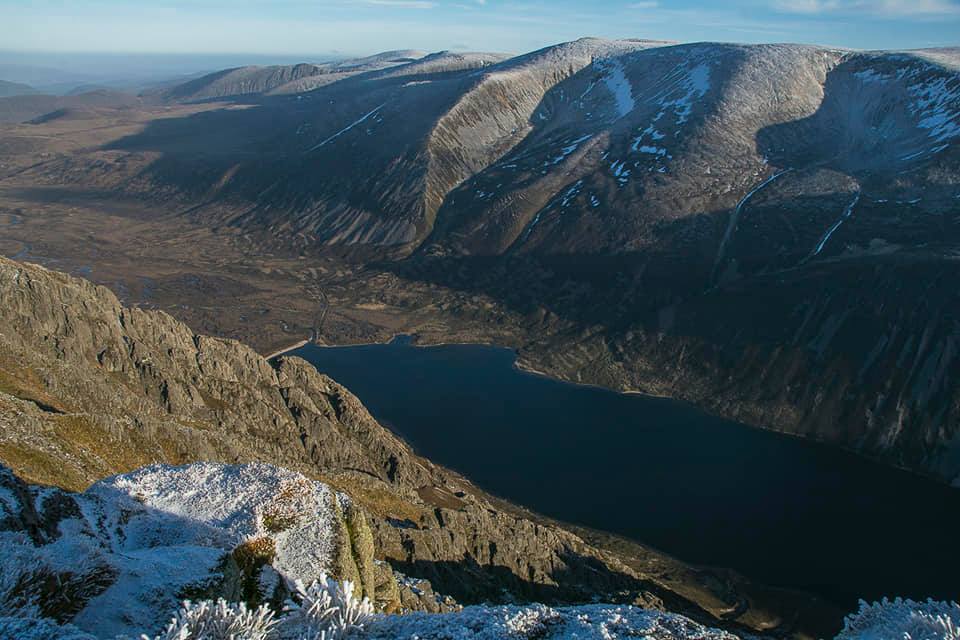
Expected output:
(685, 86)
(567, 150)
(735, 218)
(345, 129)
(843, 217)
(934, 95)
(937, 107)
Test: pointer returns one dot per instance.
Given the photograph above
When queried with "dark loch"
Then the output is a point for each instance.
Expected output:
(780, 510)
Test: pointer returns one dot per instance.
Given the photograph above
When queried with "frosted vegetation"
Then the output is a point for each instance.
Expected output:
(903, 620)
(327, 610)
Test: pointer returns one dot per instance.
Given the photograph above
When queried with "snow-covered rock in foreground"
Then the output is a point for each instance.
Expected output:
(896, 620)
(903, 620)
(119, 558)
(224, 506)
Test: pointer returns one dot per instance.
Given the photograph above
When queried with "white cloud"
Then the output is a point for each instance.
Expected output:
(884, 8)
(650, 4)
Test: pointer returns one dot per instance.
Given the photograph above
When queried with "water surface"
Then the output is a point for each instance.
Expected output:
(709, 491)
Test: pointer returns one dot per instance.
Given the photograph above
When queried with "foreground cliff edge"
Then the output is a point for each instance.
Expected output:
(115, 559)
(89, 389)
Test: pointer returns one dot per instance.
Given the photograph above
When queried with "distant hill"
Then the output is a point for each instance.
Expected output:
(293, 78)
(8, 89)
(23, 108)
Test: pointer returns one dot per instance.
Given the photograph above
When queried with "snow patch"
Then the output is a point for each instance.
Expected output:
(567, 150)
(936, 105)
(570, 194)
(590, 622)
(836, 225)
(617, 83)
(685, 86)
(620, 171)
(872, 76)
(657, 151)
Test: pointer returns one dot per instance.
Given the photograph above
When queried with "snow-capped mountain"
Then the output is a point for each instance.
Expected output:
(602, 143)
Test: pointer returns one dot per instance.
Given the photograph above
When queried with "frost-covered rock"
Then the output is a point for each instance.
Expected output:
(118, 558)
(225, 506)
(600, 622)
(321, 618)
(326, 619)
(903, 620)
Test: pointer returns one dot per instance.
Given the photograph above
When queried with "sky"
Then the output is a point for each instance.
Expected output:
(317, 28)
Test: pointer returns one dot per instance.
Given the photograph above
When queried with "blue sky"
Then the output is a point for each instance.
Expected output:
(365, 26)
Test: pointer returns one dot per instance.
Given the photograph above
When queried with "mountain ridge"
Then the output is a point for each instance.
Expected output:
(690, 220)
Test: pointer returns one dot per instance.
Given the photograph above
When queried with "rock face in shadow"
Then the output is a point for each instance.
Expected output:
(89, 388)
